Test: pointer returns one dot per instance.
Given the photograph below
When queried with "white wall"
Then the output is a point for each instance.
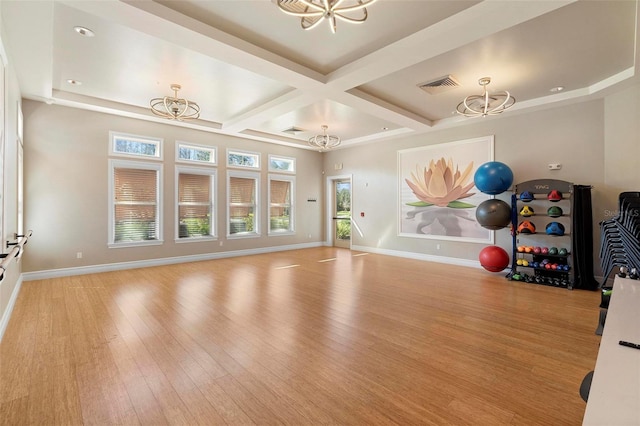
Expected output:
(66, 175)
(571, 135)
(10, 285)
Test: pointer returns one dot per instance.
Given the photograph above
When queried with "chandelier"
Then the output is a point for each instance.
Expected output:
(174, 108)
(485, 104)
(324, 141)
(312, 12)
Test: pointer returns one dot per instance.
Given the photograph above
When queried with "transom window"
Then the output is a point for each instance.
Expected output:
(135, 146)
(243, 159)
(191, 153)
(282, 164)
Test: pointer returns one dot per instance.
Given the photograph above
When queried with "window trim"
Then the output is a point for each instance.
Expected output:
(214, 149)
(213, 175)
(158, 142)
(243, 152)
(119, 163)
(256, 216)
(282, 157)
(292, 221)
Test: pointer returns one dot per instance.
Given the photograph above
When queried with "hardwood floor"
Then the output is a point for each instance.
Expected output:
(317, 336)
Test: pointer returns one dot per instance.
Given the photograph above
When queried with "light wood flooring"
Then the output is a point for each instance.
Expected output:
(317, 336)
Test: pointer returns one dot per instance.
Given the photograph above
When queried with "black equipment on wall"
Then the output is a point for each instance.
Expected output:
(620, 236)
(582, 236)
(544, 234)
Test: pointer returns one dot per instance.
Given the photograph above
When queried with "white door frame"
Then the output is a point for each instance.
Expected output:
(329, 205)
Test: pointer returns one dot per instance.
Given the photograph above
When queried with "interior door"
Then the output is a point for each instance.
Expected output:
(342, 213)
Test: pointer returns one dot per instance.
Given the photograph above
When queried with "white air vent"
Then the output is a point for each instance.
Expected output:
(292, 130)
(439, 85)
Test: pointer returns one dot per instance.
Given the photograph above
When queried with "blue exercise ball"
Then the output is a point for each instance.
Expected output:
(493, 178)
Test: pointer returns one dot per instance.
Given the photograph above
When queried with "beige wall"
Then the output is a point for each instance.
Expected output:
(590, 139)
(571, 135)
(622, 146)
(66, 204)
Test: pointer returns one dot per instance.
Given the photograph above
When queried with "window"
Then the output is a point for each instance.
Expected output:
(136, 146)
(243, 159)
(135, 199)
(243, 213)
(204, 155)
(195, 192)
(281, 194)
(282, 164)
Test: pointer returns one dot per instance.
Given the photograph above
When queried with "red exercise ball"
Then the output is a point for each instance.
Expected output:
(493, 258)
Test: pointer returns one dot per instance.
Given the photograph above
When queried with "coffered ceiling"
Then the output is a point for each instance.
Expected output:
(256, 73)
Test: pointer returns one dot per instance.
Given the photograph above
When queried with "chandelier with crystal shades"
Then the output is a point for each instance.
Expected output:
(487, 103)
(312, 12)
(324, 141)
(174, 108)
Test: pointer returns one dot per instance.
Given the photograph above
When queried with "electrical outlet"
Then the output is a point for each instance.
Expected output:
(555, 166)
(79, 255)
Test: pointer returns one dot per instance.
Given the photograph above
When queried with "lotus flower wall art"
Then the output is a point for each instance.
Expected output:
(437, 194)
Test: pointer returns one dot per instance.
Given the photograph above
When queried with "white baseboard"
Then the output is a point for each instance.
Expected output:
(94, 269)
(420, 256)
(4, 321)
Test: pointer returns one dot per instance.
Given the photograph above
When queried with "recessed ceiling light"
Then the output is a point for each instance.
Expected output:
(557, 89)
(84, 31)
(74, 82)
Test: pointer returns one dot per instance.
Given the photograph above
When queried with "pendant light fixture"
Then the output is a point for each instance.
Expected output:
(174, 108)
(312, 12)
(487, 103)
(324, 141)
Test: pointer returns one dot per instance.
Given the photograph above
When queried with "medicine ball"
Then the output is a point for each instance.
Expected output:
(526, 196)
(526, 211)
(554, 195)
(554, 211)
(526, 227)
(555, 228)
(493, 214)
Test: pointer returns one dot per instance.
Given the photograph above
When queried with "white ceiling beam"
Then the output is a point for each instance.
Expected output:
(376, 107)
(274, 108)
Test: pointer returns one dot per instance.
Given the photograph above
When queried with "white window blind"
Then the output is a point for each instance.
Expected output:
(194, 205)
(280, 205)
(242, 205)
(135, 204)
